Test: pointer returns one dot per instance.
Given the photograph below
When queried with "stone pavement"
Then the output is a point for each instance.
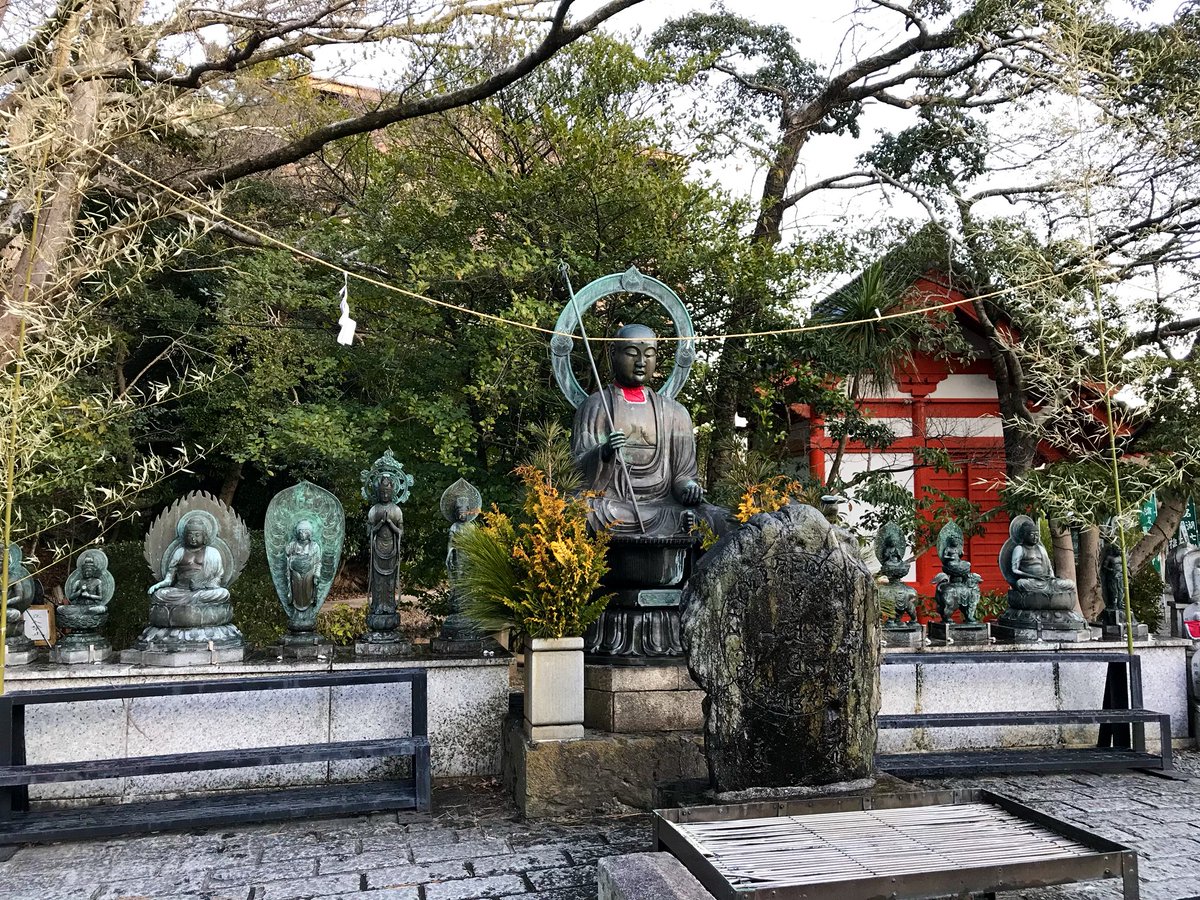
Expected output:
(474, 847)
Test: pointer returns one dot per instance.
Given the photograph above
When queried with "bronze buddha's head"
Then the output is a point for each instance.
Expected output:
(195, 533)
(634, 355)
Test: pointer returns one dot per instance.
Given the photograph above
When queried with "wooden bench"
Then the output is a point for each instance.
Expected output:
(1122, 721)
(20, 824)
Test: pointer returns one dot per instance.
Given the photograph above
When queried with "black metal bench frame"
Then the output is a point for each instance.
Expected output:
(1123, 720)
(20, 824)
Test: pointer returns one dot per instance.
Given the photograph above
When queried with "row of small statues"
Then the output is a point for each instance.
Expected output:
(1041, 606)
(197, 548)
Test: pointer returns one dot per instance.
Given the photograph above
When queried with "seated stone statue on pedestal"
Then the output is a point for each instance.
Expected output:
(19, 649)
(893, 567)
(196, 548)
(636, 449)
(89, 590)
(1041, 606)
(957, 590)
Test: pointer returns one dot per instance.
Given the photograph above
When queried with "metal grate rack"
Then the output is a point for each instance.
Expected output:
(915, 845)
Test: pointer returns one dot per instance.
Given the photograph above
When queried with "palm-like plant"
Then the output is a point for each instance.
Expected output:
(871, 347)
(539, 574)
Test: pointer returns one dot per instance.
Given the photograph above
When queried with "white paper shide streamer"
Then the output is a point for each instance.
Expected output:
(346, 324)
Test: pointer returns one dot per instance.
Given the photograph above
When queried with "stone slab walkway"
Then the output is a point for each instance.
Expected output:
(473, 847)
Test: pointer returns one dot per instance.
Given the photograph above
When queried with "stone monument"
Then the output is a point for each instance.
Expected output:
(889, 550)
(1040, 606)
(459, 636)
(304, 530)
(89, 590)
(957, 589)
(780, 621)
(197, 548)
(385, 487)
(19, 650)
(1112, 588)
(636, 448)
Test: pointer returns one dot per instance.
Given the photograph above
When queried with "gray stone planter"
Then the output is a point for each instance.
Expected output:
(554, 689)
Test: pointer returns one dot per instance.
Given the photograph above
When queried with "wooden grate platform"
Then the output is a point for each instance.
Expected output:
(897, 846)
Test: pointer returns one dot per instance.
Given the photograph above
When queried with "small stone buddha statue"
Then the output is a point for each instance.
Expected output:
(89, 590)
(1041, 606)
(192, 580)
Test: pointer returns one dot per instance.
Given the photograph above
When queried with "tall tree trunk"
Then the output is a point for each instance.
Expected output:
(233, 478)
(1171, 509)
(1063, 552)
(1087, 570)
(732, 384)
(39, 271)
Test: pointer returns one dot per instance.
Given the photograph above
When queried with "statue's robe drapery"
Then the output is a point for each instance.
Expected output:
(304, 568)
(194, 583)
(660, 452)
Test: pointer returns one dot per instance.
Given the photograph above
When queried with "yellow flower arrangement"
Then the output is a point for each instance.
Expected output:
(539, 574)
(768, 496)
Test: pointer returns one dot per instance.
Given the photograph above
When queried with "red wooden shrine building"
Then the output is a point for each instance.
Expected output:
(938, 403)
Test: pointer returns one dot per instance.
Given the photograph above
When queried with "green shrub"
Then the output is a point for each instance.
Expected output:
(991, 605)
(341, 625)
(129, 611)
(257, 611)
(1145, 597)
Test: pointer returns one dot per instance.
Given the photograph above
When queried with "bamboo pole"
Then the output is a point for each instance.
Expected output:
(9, 493)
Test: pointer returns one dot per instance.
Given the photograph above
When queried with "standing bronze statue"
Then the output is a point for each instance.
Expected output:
(304, 530)
(1112, 588)
(459, 636)
(385, 486)
(636, 448)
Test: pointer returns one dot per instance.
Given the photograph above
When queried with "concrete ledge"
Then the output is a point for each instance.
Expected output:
(634, 711)
(670, 677)
(468, 699)
(642, 876)
(930, 688)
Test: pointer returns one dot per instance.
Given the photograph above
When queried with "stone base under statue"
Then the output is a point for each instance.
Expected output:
(444, 647)
(304, 645)
(1112, 625)
(178, 658)
(972, 634)
(176, 647)
(908, 636)
(652, 697)
(1028, 626)
(20, 657)
(1117, 632)
(382, 644)
(72, 653)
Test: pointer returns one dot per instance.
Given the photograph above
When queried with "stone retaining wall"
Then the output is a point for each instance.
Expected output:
(468, 699)
(993, 687)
